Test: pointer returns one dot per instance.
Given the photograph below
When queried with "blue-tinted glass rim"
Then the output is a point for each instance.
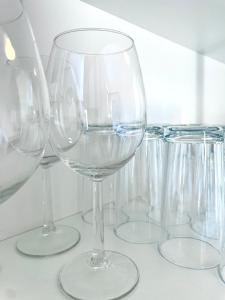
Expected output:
(194, 134)
(154, 131)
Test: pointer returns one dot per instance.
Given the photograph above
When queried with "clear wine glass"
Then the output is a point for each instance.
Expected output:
(97, 123)
(24, 102)
(50, 239)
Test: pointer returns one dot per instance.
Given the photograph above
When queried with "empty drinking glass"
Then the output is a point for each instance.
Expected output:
(98, 121)
(194, 189)
(24, 102)
(139, 191)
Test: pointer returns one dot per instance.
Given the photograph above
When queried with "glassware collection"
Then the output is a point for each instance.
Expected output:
(149, 183)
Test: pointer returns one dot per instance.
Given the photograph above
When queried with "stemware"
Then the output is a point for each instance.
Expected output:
(50, 239)
(97, 123)
(24, 103)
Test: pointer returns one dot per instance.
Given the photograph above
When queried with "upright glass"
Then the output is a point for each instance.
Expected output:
(98, 121)
(24, 103)
(50, 239)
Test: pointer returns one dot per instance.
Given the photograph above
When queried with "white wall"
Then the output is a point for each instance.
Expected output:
(181, 87)
(175, 77)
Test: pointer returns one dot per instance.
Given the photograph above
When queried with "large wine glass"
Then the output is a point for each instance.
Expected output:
(51, 238)
(97, 123)
(24, 103)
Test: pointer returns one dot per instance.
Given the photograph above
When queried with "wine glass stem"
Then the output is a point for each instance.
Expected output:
(98, 259)
(48, 222)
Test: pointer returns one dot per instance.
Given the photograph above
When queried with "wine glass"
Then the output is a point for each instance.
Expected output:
(24, 102)
(97, 123)
(50, 239)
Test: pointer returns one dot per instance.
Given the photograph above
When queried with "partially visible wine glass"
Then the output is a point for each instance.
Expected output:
(24, 102)
(50, 239)
(97, 123)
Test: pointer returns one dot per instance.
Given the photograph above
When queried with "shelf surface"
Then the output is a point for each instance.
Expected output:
(198, 25)
(27, 278)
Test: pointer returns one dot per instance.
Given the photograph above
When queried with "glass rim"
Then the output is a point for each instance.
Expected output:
(193, 128)
(153, 132)
(194, 134)
(97, 29)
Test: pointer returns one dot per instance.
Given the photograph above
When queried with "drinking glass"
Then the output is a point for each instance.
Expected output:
(141, 179)
(24, 103)
(194, 187)
(51, 239)
(98, 121)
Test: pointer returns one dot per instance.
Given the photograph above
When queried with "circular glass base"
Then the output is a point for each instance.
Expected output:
(139, 232)
(35, 243)
(190, 253)
(114, 279)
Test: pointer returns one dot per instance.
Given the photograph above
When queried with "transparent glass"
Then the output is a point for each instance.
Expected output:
(194, 188)
(24, 102)
(51, 239)
(109, 199)
(141, 202)
(98, 121)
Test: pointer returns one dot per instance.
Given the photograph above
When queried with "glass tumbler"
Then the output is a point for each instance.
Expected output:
(194, 189)
(139, 188)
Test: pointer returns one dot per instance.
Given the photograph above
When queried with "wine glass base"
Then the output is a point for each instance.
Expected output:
(117, 278)
(139, 232)
(35, 243)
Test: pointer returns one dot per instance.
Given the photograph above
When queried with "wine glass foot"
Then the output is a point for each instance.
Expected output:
(35, 243)
(117, 278)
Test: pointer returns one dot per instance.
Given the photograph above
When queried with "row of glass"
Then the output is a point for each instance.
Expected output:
(170, 193)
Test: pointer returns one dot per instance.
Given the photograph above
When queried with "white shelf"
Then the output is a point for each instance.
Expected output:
(27, 278)
(196, 24)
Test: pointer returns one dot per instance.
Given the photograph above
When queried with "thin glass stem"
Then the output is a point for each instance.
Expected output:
(98, 258)
(48, 222)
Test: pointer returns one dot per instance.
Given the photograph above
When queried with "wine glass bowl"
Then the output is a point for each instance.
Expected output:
(97, 123)
(24, 108)
(99, 98)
